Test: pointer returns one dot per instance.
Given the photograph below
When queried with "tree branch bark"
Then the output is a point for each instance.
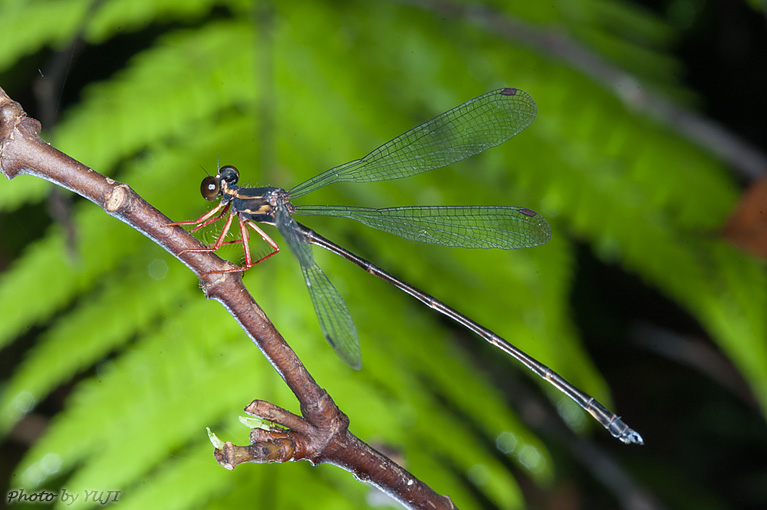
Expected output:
(322, 434)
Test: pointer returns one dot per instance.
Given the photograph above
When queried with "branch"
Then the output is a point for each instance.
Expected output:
(322, 434)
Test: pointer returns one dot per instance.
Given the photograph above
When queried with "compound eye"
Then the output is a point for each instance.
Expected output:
(229, 174)
(209, 188)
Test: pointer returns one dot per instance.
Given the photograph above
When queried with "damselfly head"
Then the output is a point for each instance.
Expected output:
(211, 187)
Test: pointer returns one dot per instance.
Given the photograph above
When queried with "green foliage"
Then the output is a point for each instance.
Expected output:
(154, 364)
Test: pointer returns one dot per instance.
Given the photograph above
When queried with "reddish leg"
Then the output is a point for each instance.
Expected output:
(245, 237)
(208, 218)
(205, 219)
(219, 241)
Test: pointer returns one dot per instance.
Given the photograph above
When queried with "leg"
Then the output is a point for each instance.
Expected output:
(245, 235)
(205, 219)
(244, 238)
(219, 241)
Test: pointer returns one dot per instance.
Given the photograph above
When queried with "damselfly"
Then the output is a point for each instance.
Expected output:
(468, 129)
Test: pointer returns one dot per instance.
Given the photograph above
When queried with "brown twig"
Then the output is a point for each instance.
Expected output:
(322, 434)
